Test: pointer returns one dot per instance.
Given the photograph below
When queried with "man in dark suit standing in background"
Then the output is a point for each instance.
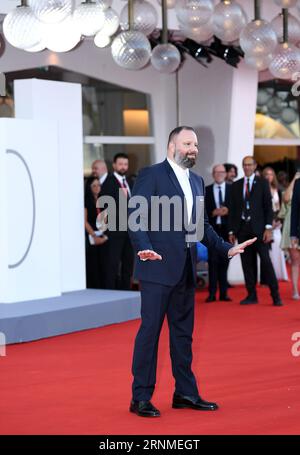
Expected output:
(118, 250)
(251, 214)
(166, 269)
(217, 200)
(295, 215)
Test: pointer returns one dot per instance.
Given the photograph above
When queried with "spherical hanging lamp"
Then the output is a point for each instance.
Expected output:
(260, 63)
(89, 17)
(144, 17)
(21, 28)
(193, 13)
(229, 19)
(111, 22)
(258, 37)
(52, 11)
(165, 57)
(199, 34)
(105, 4)
(294, 28)
(62, 37)
(102, 40)
(286, 59)
(131, 49)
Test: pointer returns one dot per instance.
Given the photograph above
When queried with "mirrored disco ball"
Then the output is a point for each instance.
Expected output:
(258, 38)
(170, 3)
(286, 3)
(131, 50)
(229, 19)
(193, 13)
(165, 58)
(289, 115)
(286, 61)
(21, 28)
(199, 34)
(89, 18)
(260, 63)
(111, 22)
(144, 17)
(52, 11)
(62, 37)
(263, 96)
(293, 28)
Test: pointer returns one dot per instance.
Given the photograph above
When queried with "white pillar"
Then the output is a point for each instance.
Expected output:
(242, 111)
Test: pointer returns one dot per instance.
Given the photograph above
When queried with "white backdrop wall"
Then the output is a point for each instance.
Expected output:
(61, 102)
(30, 266)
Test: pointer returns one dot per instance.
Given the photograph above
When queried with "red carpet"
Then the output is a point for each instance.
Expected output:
(81, 383)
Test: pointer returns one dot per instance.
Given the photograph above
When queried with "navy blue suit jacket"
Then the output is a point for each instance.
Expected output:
(160, 180)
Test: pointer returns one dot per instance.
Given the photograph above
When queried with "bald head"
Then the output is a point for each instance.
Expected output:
(219, 173)
(249, 165)
(99, 168)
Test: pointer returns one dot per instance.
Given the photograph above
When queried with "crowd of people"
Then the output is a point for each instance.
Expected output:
(260, 204)
(109, 254)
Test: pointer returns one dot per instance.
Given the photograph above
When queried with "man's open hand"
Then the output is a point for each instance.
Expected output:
(241, 247)
(149, 254)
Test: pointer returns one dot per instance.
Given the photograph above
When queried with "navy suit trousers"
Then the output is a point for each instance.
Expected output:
(177, 302)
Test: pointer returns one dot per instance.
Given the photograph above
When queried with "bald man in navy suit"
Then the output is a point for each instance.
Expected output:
(166, 268)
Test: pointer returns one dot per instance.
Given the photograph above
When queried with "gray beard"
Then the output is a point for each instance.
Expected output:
(184, 162)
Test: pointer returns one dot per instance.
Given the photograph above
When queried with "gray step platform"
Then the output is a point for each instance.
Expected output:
(71, 312)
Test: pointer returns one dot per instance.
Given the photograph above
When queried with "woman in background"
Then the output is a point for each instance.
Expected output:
(294, 253)
(276, 253)
(93, 240)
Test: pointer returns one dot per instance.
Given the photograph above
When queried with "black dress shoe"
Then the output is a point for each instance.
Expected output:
(277, 302)
(249, 300)
(225, 298)
(183, 401)
(210, 298)
(143, 409)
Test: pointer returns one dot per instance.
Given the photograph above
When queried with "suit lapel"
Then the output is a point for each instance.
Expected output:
(197, 191)
(173, 178)
(241, 190)
(210, 194)
(253, 189)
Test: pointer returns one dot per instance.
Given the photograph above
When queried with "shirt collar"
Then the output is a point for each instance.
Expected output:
(222, 185)
(119, 177)
(177, 169)
(251, 178)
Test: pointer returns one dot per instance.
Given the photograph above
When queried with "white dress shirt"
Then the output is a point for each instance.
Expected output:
(120, 180)
(216, 196)
(251, 178)
(102, 178)
(183, 179)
